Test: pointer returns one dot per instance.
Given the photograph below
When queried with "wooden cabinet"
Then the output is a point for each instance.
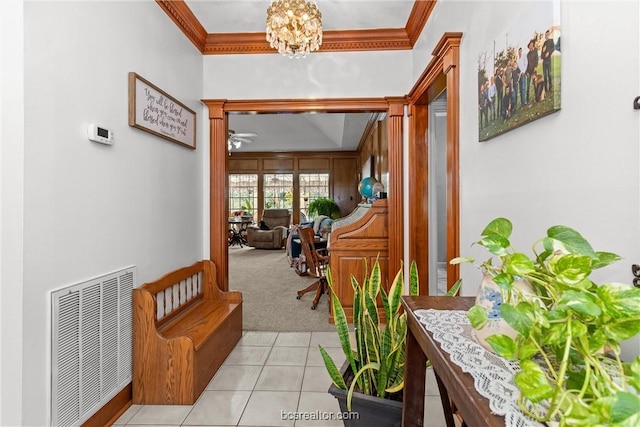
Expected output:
(355, 242)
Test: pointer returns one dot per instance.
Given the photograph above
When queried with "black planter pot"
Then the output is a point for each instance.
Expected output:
(366, 411)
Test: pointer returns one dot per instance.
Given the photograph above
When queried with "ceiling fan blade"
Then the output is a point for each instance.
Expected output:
(247, 140)
(246, 134)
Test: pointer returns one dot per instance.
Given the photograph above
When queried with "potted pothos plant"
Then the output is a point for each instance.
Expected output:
(568, 328)
(371, 381)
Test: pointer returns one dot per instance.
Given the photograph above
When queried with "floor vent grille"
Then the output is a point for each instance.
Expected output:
(91, 345)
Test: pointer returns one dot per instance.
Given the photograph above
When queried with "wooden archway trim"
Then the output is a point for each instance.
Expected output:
(442, 72)
(219, 162)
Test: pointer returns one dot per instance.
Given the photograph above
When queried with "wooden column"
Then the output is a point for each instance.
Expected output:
(441, 73)
(419, 190)
(218, 190)
(396, 194)
(450, 53)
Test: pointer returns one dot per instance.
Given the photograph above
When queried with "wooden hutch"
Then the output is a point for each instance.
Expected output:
(354, 244)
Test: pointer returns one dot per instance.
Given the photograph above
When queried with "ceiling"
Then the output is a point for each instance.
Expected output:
(301, 131)
(241, 16)
(219, 27)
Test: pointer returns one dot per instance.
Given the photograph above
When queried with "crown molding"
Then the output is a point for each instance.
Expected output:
(418, 19)
(332, 40)
(184, 18)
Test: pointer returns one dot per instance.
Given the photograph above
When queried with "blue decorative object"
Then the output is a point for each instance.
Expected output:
(366, 187)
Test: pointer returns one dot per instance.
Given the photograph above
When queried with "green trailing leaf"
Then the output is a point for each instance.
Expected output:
(333, 371)
(570, 269)
(620, 300)
(504, 280)
(499, 226)
(580, 302)
(632, 370)
(477, 316)
(622, 330)
(495, 244)
(503, 345)
(571, 240)
(526, 351)
(604, 258)
(519, 317)
(519, 265)
(532, 381)
(460, 260)
(556, 334)
(625, 409)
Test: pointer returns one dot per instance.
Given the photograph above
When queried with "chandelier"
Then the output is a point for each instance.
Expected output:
(294, 27)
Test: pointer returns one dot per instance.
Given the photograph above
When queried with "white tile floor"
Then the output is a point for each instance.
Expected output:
(268, 373)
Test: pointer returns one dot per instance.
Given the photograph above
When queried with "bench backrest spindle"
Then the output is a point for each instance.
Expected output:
(178, 297)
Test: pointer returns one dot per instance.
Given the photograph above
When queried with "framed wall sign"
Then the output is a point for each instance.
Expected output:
(155, 111)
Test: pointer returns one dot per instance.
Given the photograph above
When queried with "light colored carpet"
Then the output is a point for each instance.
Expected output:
(268, 287)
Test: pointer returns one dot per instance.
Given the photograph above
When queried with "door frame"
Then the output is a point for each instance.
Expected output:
(219, 163)
(441, 73)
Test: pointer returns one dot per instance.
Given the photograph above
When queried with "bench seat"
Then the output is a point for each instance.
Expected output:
(184, 327)
(198, 323)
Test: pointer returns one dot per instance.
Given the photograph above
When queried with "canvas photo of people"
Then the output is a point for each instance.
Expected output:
(519, 74)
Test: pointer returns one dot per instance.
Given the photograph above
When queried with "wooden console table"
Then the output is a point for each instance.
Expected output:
(454, 385)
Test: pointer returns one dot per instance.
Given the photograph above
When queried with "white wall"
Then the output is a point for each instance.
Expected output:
(319, 75)
(91, 209)
(11, 209)
(577, 167)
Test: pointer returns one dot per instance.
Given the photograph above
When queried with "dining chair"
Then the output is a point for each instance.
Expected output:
(316, 261)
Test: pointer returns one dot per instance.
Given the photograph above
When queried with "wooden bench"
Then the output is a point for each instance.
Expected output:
(184, 327)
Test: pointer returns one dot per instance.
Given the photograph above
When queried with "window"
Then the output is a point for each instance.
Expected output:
(243, 193)
(278, 191)
(312, 186)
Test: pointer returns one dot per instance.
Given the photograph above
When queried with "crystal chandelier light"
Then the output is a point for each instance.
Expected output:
(294, 27)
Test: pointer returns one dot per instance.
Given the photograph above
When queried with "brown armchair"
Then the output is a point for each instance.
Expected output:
(278, 221)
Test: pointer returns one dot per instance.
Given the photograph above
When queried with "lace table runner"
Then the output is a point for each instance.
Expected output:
(492, 374)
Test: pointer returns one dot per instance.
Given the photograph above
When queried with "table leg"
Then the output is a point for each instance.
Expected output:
(446, 402)
(414, 380)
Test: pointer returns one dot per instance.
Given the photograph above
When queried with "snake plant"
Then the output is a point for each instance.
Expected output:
(377, 360)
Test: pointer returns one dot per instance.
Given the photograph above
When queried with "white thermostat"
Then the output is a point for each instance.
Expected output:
(100, 134)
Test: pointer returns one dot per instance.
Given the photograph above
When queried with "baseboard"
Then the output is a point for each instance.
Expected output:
(110, 412)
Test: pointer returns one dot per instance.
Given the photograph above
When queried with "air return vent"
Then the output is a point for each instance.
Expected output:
(91, 345)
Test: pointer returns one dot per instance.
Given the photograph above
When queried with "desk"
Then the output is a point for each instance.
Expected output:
(237, 230)
(454, 385)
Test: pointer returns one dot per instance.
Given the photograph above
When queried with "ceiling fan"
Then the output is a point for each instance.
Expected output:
(236, 139)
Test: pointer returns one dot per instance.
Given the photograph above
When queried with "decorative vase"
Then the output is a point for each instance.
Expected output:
(490, 297)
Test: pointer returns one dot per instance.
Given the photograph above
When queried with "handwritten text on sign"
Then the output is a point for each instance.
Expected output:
(159, 113)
